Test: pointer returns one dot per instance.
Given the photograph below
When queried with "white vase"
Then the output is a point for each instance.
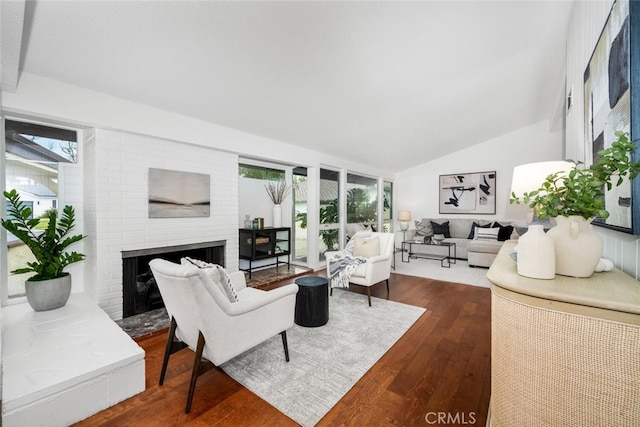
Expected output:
(536, 254)
(277, 216)
(578, 248)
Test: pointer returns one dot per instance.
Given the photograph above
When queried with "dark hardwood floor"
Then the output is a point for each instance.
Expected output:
(440, 369)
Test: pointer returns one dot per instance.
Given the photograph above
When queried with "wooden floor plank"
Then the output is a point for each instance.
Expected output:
(442, 364)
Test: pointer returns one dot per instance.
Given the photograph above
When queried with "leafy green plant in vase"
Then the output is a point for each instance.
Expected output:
(50, 286)
(574, 198)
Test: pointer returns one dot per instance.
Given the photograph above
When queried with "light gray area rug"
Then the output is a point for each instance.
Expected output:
(460, 272)
(325, 361)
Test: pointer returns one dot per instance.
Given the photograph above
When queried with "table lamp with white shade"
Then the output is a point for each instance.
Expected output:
(404, 218)
(529, 177)
(535, 250)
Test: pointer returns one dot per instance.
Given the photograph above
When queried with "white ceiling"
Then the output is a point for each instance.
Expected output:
(389, 84)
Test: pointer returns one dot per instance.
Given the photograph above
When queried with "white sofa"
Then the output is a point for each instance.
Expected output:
(478, 253)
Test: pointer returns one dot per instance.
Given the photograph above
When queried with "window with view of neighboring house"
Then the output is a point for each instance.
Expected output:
(33, 154)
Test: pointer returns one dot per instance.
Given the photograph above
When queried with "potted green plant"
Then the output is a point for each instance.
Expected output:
(574, 198)
(50, 286)
(581, 191)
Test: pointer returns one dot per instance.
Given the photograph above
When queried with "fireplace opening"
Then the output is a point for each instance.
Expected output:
(139, 290)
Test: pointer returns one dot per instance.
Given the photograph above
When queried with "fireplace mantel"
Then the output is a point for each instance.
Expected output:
(169, 249)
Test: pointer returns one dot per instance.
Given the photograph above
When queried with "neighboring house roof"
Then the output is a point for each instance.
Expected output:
(31, 168)
(20, 146)
(328, 191)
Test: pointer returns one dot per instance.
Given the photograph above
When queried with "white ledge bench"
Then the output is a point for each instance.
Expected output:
(64, 365)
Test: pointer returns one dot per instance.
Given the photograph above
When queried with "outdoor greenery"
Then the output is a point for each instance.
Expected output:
(256, 172)
(360, 209)
(48, 246)
(581, 192)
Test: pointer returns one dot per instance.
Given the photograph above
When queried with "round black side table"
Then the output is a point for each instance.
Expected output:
(312, 301)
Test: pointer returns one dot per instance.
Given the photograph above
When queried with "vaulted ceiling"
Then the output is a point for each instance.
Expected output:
(391, 84)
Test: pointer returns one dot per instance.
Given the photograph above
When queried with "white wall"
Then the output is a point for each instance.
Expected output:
(123, 140)
(50, 99)
(119, 211)
(587, 21)
(416, 189)
(255, 202)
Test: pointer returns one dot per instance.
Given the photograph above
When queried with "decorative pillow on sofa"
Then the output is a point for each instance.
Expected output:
(486, 234)
(441, 228)
(423, 228)
(217, 274)
(472, 233)
(505, 231)
(366, 248)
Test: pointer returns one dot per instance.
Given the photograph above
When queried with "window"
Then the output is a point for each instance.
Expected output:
(260, 172)
(33, 154)
(299, 238)
(329, 211)
(362, 203)
(387, 210)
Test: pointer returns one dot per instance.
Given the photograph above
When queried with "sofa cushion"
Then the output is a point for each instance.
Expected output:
(441, 228)
(490, 234)
(472, 233)
(505, 231)
(484, 246)
(423, 228)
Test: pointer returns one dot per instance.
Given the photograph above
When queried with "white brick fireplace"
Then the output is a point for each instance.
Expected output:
(115, 187)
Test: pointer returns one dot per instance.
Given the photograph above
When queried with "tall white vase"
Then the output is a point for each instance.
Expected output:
(536, 254)
(578, 248)
(277, 216)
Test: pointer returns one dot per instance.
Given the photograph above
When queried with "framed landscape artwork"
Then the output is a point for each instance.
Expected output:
(174, 194)
(468, 193)
(610, 95)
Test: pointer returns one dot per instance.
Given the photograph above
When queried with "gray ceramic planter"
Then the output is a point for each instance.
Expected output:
(43, 295)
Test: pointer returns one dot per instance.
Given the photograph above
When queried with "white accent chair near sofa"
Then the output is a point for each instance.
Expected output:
(376, 269)
(204, 319)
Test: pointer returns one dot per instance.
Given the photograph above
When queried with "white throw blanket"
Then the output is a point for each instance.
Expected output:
(341, 266)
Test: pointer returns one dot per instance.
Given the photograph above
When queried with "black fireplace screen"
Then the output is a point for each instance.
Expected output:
(139, 290)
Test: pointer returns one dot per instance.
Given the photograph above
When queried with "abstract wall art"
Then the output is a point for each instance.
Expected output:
(174, 194)
(468, 193)
(609, 96)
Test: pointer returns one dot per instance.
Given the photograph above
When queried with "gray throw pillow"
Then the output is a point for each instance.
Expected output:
(423, 228)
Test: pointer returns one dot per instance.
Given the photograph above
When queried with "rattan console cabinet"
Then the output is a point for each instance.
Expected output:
(565, 352)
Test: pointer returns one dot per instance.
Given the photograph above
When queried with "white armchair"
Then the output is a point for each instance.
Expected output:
(376, 269)
(204, 319)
